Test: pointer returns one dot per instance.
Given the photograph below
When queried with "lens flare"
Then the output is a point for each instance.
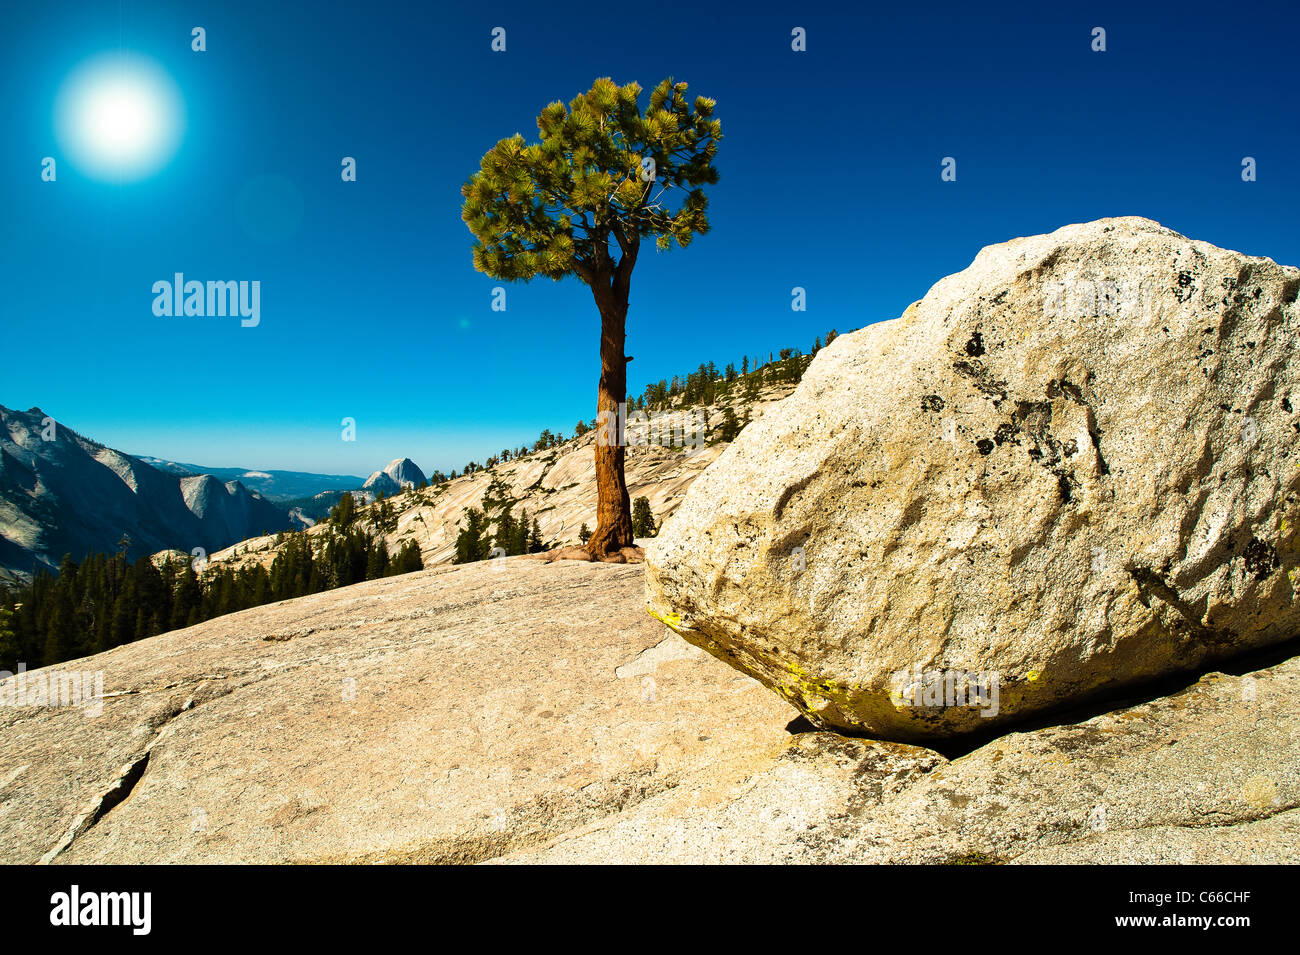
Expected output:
(119, 117)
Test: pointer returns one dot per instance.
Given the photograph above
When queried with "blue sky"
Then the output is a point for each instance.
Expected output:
(371, 308)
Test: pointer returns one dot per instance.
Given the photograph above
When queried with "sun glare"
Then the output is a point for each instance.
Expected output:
(119, 117)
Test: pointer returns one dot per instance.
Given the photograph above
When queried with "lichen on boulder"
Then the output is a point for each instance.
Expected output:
(1069, 469)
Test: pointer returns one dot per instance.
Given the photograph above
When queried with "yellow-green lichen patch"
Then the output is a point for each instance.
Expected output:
(673, 621)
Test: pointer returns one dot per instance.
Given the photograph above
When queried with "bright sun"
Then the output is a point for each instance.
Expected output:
(119, 117)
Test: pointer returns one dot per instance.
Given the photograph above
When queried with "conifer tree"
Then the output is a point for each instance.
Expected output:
(408, 559)
(505, 538)
(187, 597)
(63, 634)
(10, 648)
(643, 522)
(472, 543)
(519, 537)
(603, 176)
(730, 425)
(377, 560)
(344, 511)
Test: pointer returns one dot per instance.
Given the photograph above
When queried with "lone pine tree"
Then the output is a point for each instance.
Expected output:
(603, 177)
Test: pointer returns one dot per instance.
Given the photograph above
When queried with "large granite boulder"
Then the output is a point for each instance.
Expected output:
(1069, 468)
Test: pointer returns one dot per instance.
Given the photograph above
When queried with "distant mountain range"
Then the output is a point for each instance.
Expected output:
(278, 486)
(62, 493)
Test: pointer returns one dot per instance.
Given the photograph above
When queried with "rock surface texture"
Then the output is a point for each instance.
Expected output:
(1210, 774)
(1071, 468)
(442, 716)
(535, 713)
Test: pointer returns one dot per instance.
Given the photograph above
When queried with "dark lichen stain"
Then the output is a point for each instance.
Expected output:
(992, 387)
(1006, 432)
(1261, 558)
(975, 347)
(1153, 586)
(1064, 388)
(931, 403)
(985, 446)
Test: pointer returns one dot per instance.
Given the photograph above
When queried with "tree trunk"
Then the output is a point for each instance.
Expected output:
(613, 508)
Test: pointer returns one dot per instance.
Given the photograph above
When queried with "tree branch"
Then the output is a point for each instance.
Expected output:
(623, 274)
(584, 270)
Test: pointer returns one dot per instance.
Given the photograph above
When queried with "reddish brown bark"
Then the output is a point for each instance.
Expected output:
(613, 507)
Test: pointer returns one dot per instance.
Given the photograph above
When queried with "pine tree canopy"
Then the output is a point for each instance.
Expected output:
(603, 176)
